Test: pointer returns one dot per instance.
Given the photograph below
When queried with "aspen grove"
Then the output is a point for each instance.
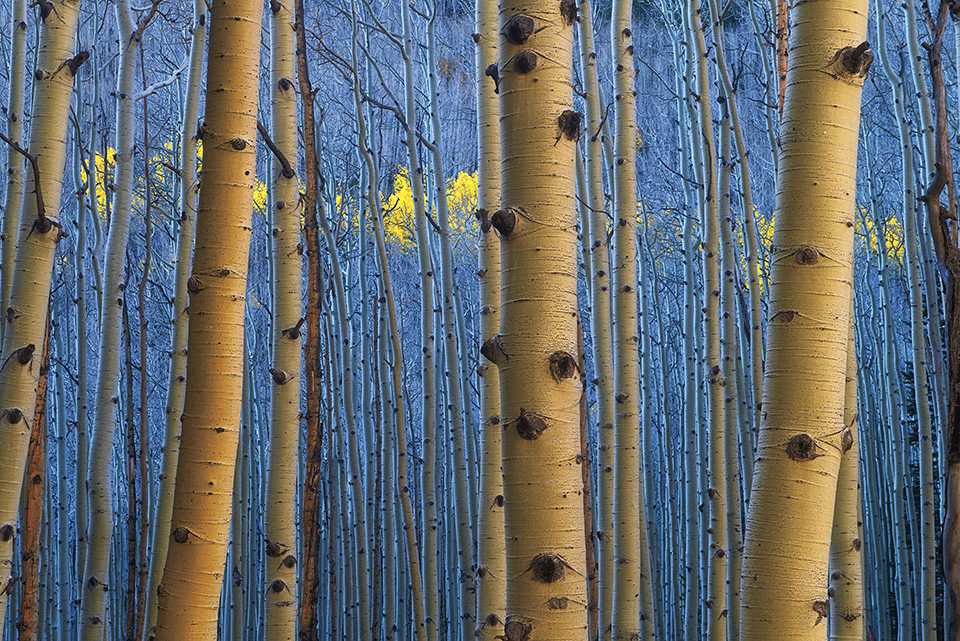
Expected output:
(517, 320)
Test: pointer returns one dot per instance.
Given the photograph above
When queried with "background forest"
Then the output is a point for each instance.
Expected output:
(362, 502)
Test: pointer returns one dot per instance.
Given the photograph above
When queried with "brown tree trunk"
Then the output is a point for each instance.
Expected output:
(310, 517)
(948, 261)
(32, 511)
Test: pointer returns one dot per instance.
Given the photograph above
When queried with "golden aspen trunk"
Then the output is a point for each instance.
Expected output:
(491, 552)
(281, 511)
(193, 574)
(540, 386)
(13, 198)
(785, 563)
(179, 319)
(39, 231)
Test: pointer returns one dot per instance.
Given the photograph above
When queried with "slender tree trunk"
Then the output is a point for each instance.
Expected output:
(281, 515)
(313, 359)
(98, 487)
(846, 555)
(396, 395)
(715, 493)
(491, 553)
(798, 454)
(539, 385)
(192, 577)
(13, 199)
(631, 553)
(599, 275)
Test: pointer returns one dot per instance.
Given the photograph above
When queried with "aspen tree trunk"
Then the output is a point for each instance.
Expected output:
(846, 556)
(99, 468)
(631, 553)
(281, 514)
(715, 494)
(948, 262)
(179, 318)
(733, 421)
(358, 552)
(927, 592)
(144, 467)
(491, 554)
(13, 198)
(33, 268)
(192, 578)
(79, 291)
(691, 419)
(31, 521)
(598, 253)
(539, 386)
(746, 424)
(312, 505)
(428, 348)
(459, 419)
(787, 546)
(410, 531)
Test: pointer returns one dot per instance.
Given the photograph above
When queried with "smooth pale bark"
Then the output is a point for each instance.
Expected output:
(32, 515)
(733, 421)
(281, 510)
(15, 161)
(179, 319)
(491, 555)
(396, 384)
(927, 584)
(459, 419)
(428, 343)
(597, 241)
(846, 556)
(39, 231)
(629, 547)
(193, 575)
(539, 385)
(99, 488)
(786, 554)
(715, 494)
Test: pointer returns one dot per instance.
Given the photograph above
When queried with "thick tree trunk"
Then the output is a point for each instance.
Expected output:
(39, 231)
(794, 490)
(193, 575)
(540, 386)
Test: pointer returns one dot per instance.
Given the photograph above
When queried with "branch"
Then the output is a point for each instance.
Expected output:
(142, 24)
(41, 211)
(160, 85)
(287, 171)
